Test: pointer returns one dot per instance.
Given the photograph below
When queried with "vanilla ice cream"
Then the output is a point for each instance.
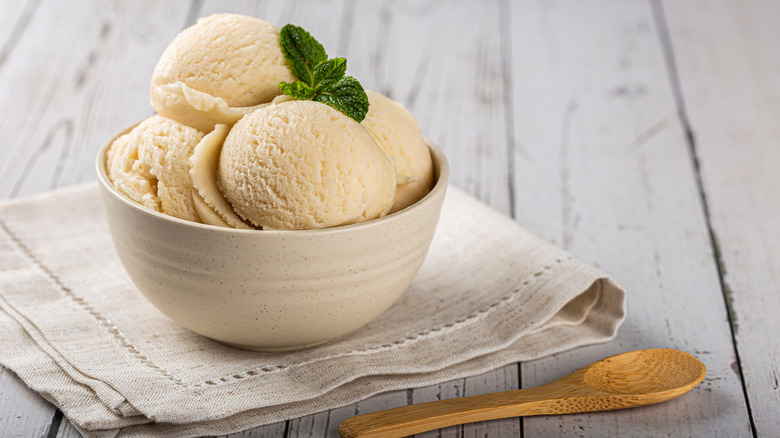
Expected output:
(212, 207)
(303, 165)
(396, 131)
(150, 164)
(217, 70)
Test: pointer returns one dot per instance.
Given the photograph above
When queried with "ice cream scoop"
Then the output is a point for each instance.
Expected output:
(150, 164)
(304, 165)
(396, 131)
(217, 70)
(212, 207)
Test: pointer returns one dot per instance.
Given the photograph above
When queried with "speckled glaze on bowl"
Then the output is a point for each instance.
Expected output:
(271, 290)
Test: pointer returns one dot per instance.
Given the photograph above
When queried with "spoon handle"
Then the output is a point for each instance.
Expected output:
(411, 419)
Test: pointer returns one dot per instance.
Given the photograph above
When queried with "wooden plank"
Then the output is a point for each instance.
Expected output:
(502, 379)
(88, 79)
(307, 426)
(323, 19)
(601, 167)
(267, 431)
(23, 413)
(442, 60)
(444, 391)
(728, 64)
(59, 106)
(476, 146)
(437, 59)
(600, 163)
(66, 430)
(326, 424)
(14, 20)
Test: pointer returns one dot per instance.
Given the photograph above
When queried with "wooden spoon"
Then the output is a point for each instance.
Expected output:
(625, 380)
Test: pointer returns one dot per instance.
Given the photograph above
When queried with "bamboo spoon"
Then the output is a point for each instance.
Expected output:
(625, 380)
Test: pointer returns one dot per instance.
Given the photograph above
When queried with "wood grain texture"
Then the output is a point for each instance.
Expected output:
(66, 430)
(267, 431)
(602, 169)
(323, 19)
(64, 100)
(327, 423)
(442, 60)
(438, 60)
(23, 413)
(728, 64)
(626, 380)
(568, 116)
(14, 20)
(59, 104)
(502, 379)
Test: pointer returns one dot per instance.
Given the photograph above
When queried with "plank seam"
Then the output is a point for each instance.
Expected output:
(54, 427)
(506, 58)
(659, 17)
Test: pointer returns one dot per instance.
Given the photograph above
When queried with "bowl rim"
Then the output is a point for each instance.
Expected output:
(440, 163)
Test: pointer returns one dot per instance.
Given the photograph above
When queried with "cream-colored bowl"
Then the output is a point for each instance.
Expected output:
(271, 290)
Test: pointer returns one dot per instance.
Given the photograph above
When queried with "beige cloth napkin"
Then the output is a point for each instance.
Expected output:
(74, 328)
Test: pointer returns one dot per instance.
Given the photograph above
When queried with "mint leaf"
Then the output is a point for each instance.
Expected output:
(319, 78)
(347, 96)
(328, 72)
(302, 51)
(297, 90)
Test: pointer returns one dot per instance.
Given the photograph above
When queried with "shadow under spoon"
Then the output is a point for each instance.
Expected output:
(626, 380)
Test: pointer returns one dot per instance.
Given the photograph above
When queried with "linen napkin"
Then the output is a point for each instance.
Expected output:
(76, 330)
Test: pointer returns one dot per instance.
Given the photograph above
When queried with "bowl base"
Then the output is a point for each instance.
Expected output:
(272, 349)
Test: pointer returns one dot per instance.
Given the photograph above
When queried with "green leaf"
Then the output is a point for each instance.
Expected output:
(302, 51)
(320, 79)
(297, 90)
(347, 96)
(328, 73)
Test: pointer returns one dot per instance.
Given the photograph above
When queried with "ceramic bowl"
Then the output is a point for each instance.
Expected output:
(268, 289)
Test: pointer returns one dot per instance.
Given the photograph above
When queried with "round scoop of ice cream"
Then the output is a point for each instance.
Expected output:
(396, 131)
(150, 164)
(219, 69)
(304, 165)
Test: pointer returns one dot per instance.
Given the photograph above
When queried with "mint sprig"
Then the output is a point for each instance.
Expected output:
(328, 72)
(297, 90)
(302, 50)
(347, 96)
(319, 78)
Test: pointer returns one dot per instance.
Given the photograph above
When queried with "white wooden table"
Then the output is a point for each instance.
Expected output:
(641, 136)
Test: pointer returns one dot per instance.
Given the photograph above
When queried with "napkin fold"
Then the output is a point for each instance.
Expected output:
(75, 329)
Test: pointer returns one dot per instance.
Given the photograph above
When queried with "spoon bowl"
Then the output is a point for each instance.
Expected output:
(626, 380)
(645, 372)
